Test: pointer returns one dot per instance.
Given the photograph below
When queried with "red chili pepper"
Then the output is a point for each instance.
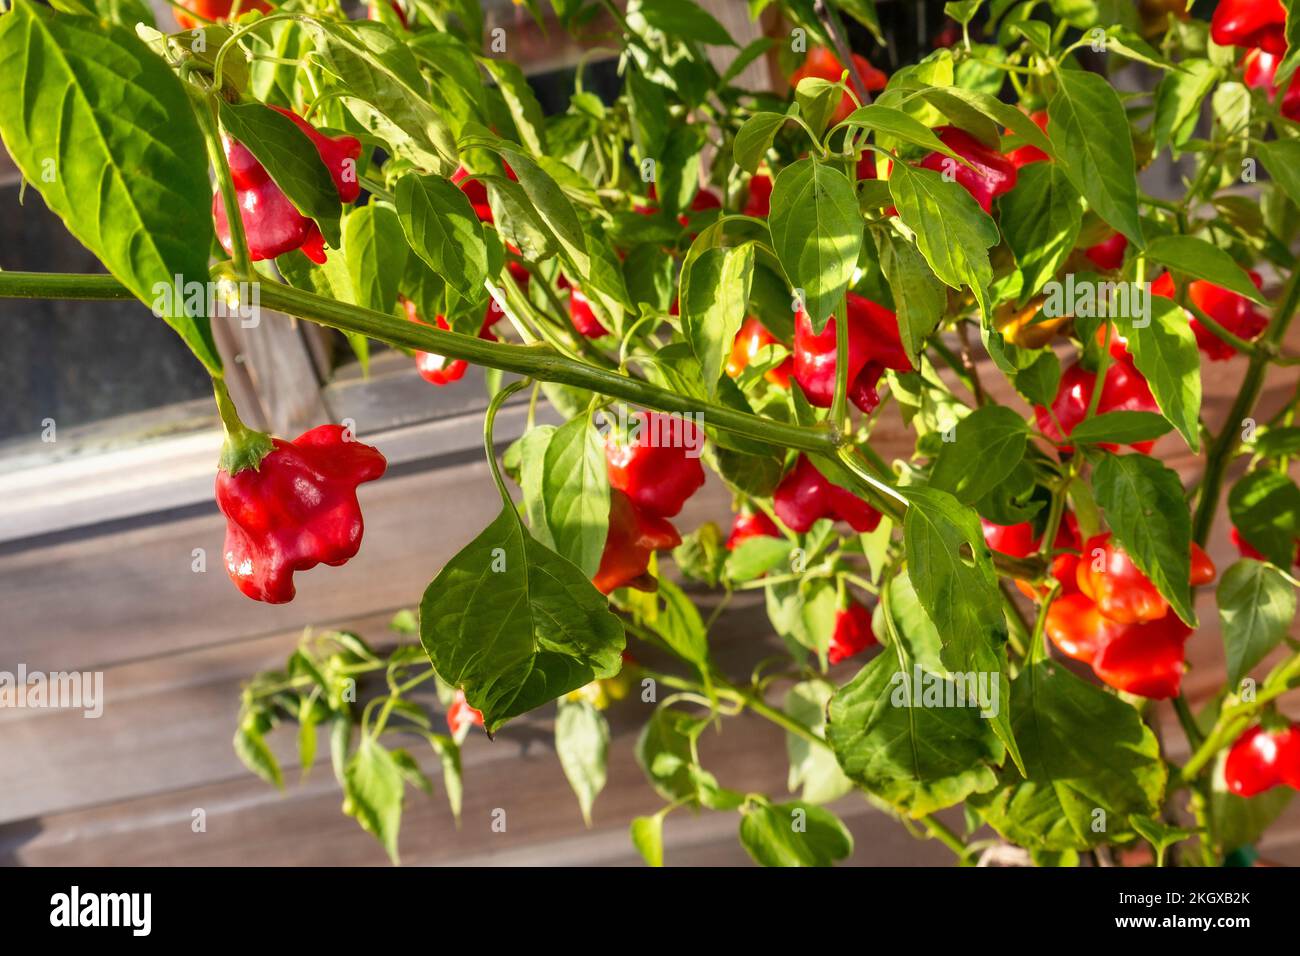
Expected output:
(990, 174)
(1123, 593)
(476, 192)
(1144, 659)
(1023, 156)
(215, 10)
(751, 524)
(438, 369)
(660, 467)
(759, 203)
(1108, 254)
(295, 509)
(805, 495)
(460, 715)
(584, 320)
(1260, 68)
(272, 225)
(1124, 390)
(1021, 540)
(867, 165)
(1262, 759)
(1234, 312)
(824, 65)
(1247, 550)
(853, 633)
(703, 200)
(1250, 23)
(632, 537)
(874, 346)
(750, 340)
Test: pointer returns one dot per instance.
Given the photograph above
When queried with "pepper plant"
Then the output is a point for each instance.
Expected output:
(704, 279)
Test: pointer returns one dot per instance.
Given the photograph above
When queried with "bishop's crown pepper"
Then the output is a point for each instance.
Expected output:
(852, 634)
(438, 369)
(658, 466)
(1108, 576)
(632, 537)
(751, 524)
(272, 225)
(1124, 389)
(1250, 23)
(804, 496)
(214, 10)
(989, 175)
(874, 346)
(1234, 312)
(750, 340)
(1262, 759)
(293, 509)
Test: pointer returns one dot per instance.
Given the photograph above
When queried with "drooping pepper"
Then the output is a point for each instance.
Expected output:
(1144, 659)
(659, 467)
(1023, 156)
(822, 64)
(990, 174)
(632, 537)
(294, 509)
(759, 203)
(1260, 68)
(1108, 576)
(1022, 540)
(874, 345)
(804, 496)
(852, 634)
(1124, 390)
(1250, 23)
(584, 319)
(750, 340)
(272, 225)
(215, 11)
(1108, 254)
(461, 716)
(751, 524)
(438, 369)
(1234, 312)
(1262, 759)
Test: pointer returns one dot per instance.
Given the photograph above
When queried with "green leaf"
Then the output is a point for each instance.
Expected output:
(816, 233)
(1200, 260)
(793, 834)
(919, 298)
(714, 299)
(1041, 218)
(1265, 508)
(1241, 821)
(680, 624)
(993, 435)
(1091, 764)
(666, 752)
(441, 227)
(1147, 511)
(1178, 102)
(376, 251)
(1282, 161)
(102, 128)
(814, 768)
(648, 114)
(1164, 351)
(372, 785)
(898, 125)
(575, 493)
(1101, 167)
(253, 753)
(520, 100)
(515, 625)
(648, 837)
(1040, 380)
(1257, 605)
(518, 222)
(1001, 114)
(581, 743)
(754, 139)
(687, 20)
(448, 752)
(952, 231)
(1120, 428)
(754, 557)
(1159, 834)
(552, 206)
(918, 759)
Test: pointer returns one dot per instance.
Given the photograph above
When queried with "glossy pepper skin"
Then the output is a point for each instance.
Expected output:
(1123, 593)
(584, 319)
(852, 634)
(1250, 23)
(215, 10)
(1260, 67)
(461, 716)
(632, 537)
(751, 524)
(296, 509)
(1108, 255)
(655, 468)
(1124, 390)
(805, 495)
(438, 369)
(272, 225)
(1262, 759)
(759, 203)
(1021, 541)
(1023, 156)
(750, 340)
(990, 174)
(874, 345)
(1235, 313)
(1144, 659)
(822, 64)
